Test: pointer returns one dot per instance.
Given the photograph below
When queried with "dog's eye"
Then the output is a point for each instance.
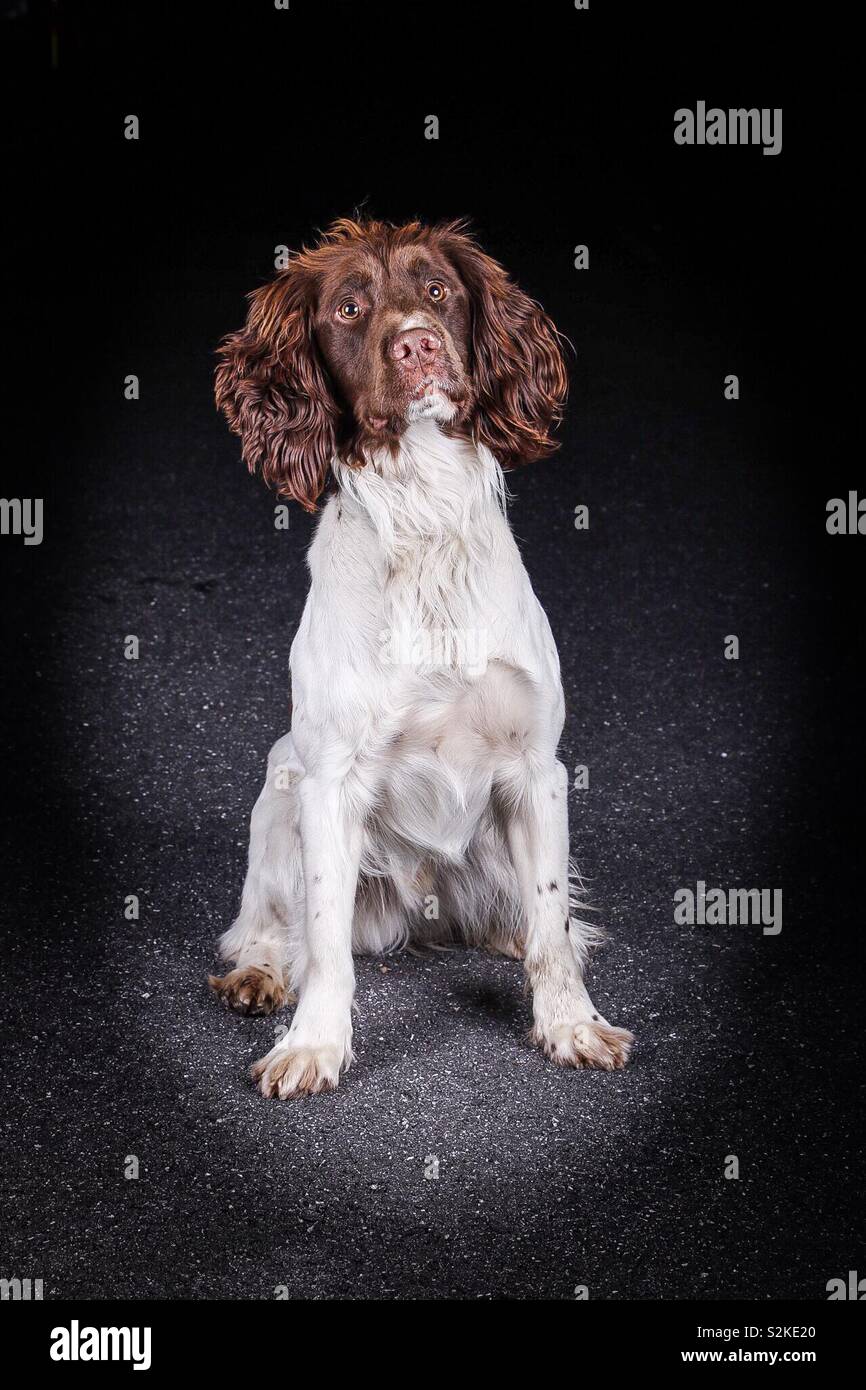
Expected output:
(437, 291)
(349, 309)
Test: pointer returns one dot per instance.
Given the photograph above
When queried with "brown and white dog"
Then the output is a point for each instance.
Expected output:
(418, 796)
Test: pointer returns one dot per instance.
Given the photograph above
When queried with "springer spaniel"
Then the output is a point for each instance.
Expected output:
(418, 796)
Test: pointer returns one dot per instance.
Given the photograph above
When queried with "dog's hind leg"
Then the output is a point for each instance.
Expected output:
(267, 935)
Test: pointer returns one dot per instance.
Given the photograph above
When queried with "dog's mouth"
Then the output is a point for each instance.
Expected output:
(432, 399)
(435, 395)
(432, 387)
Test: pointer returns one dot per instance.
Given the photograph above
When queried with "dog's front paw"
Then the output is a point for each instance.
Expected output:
(285, 1072)
(588, 1043)
(251, 989)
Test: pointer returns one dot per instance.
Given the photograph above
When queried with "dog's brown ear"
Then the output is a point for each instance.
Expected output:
(275, 392)
(519, 375)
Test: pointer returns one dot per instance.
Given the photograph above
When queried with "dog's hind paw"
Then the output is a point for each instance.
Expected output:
(251, 989)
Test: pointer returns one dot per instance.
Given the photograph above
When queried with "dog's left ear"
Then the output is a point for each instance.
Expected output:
(518, 371)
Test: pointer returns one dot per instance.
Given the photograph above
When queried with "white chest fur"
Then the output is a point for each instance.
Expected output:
(414, 570)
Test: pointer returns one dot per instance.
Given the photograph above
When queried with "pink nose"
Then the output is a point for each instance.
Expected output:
(417, 347)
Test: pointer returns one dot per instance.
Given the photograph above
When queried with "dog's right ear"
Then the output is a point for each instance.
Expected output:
(275, 393)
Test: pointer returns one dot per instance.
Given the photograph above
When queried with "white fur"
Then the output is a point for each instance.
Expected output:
(418, 795)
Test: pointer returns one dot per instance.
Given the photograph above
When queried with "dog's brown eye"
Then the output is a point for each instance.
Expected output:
(349, 309)
(437, 291)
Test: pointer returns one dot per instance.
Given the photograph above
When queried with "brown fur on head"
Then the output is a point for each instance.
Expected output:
(374, 327)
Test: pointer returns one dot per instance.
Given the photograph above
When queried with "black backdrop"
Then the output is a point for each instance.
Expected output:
(707, 518)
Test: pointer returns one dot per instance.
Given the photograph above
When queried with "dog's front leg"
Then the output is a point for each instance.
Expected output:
(319, 1042)
(567, 1024)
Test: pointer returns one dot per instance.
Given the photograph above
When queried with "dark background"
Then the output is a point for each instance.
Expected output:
(707, 518)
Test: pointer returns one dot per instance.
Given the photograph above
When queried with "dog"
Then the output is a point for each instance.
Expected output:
(418, 797)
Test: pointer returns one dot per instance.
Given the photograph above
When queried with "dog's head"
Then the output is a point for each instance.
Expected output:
(378, 326)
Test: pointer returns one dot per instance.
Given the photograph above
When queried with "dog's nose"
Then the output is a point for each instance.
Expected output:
(416, 347)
